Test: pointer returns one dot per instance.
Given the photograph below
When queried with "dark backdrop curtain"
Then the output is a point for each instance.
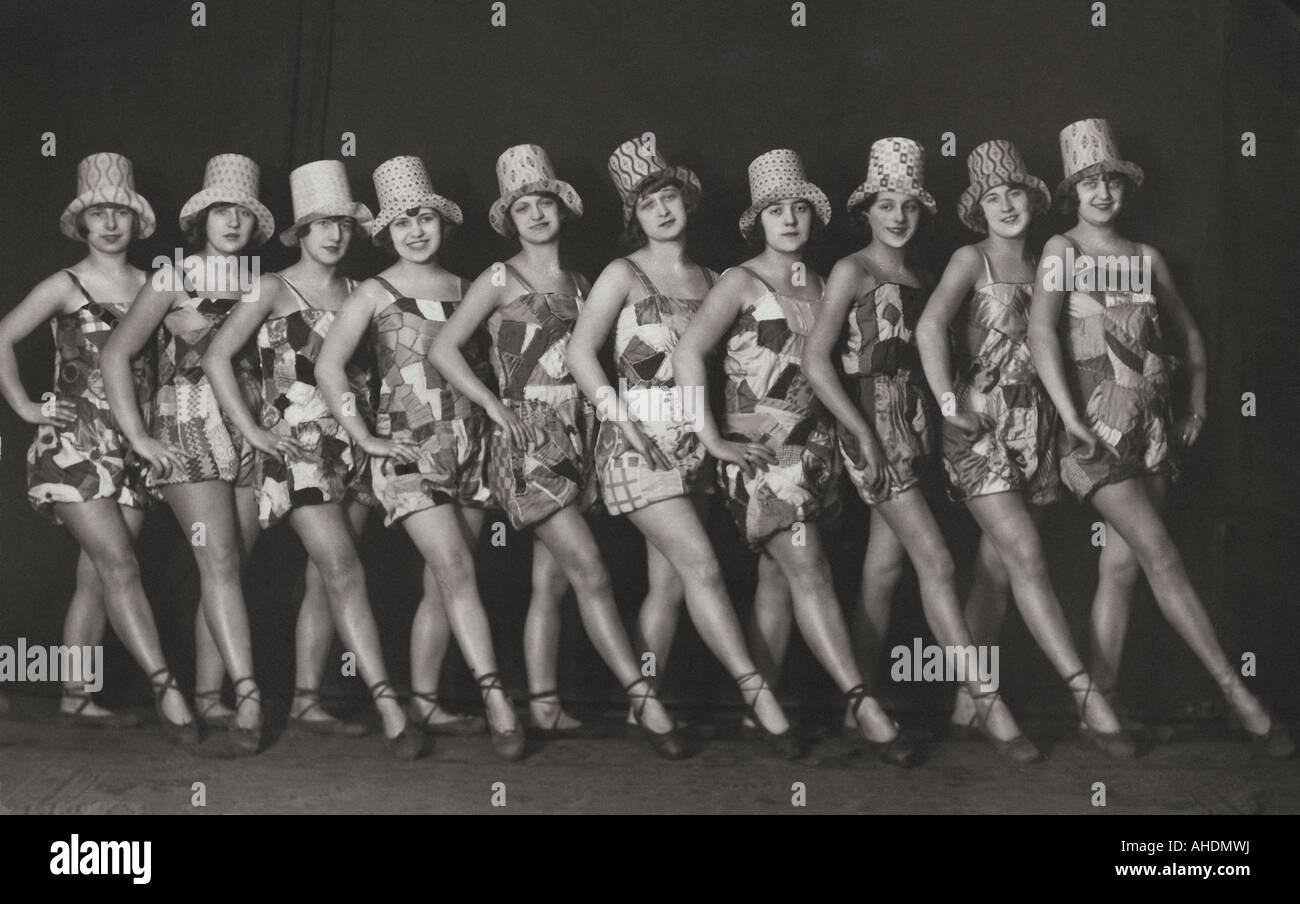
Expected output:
(719, 83)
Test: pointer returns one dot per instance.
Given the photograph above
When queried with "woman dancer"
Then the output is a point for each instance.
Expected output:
(999, 428)
(652, 466)
(541, 465)
(780, 471)
(427, 452)
(198, 461)
(79, 470)
(1105, 371)
(309, 471)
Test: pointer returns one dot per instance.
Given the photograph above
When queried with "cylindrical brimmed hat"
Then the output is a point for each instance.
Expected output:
(635, 162)
(895, 164)
(106, 179)
(1088, 147)
(525, 169)
(776, 176)
(994, 163)
(230, 179)
(402, 184)
(320, 189)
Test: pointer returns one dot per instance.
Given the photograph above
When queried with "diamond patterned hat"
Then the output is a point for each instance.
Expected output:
(525, 169)
(776, 176)
(991, 164)
(1088, 147)
(402, 184)
(106, 179)
(320, 189)
(895, 164)
(230, 179)
(637, 161)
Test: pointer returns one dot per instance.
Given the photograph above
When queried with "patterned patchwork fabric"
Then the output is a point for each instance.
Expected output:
(89, 459)
(768, 400)
(293, 408)
(645, 336)
(878, 349)
(417, 404)
(529, 336)
(996, 377)
(1119, 379)
(186, 415)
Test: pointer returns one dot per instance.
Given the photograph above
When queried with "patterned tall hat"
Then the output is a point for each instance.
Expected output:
(776, 176)
(320, 189)
(402, 184)
(106, 178)
(994, 163)
(230, 179)
(895, 164)
(1088, 147)
(635, 162)
(525, 169)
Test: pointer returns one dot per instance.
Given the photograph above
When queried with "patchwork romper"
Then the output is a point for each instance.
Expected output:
(186, 415)
(645, 335)
(88, 459)
(417, 404)
(529, 336)
(768, 400)
(996, 377)
(331, 468)
(1117, 372)
(884, 378)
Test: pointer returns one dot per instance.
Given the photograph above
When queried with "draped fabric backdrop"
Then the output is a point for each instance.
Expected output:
(719, 83)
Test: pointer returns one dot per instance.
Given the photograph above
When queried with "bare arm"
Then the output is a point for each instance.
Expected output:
(599, 314)
(234, 334)
(49, 297)
(958, 279)
(841, 290)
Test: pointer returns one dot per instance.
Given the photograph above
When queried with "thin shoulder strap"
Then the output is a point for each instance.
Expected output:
(294, 289)
(461, 283)
(646, 283)
(72, 276)
(708, 275)
(388, 287)
(766, 284)
(988, 270)
(577, 286)
(519, 277)
(350, 283)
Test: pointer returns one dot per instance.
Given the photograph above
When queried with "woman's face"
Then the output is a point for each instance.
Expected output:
(327, 239)
(537, 218)
(109, 227)
(416, 237)
(230, 227)
(787, 224)
(894, 218)
(1007, 210)
(662, 214)
(1101, 198)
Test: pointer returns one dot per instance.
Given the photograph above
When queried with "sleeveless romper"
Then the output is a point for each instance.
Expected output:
(89, 459)
(417, 404)
(769, 401)
(644, 338)
(331, 468)
(1116, 370)
(883, 376)
(529, 337)
(185, 413)
(996, 377)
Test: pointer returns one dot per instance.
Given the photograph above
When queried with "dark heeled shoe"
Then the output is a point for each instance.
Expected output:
(669, 744)
(79, 717)
(410, 743)
(1276, 742)
(247, 740)
(897, 751)
(786, 745)
(331, 726)
(1118, 743)
(212, 699)
(1019, 749)
(510, 744)
(186, 733)
(552, 731)
(457, 725)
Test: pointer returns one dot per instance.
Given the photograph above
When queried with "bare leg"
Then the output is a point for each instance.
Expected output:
(882, 570)
(542, 640)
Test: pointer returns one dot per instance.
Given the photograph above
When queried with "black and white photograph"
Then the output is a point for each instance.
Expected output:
(650, 407)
